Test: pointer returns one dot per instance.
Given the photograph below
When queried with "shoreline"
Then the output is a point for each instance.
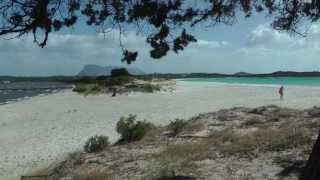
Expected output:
(12, 101)
(41, 129)
(45, 92)
(212, 83)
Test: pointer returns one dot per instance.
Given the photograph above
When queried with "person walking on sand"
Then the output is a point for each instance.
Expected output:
(114, 92)
(281, 92)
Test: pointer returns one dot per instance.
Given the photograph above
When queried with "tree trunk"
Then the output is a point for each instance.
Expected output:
(312, 169)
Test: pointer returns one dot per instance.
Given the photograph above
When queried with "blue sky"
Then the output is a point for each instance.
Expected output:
(250, 45)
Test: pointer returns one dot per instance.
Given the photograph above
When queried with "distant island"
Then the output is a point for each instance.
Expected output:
(96, 71)
(284, 74)
(240, 74)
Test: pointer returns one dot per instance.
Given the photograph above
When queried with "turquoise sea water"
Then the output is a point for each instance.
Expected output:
(295, 81)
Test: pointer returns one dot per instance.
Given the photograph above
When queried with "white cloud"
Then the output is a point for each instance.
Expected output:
(68, 53)
(211, 44)
(64, 54)
(269, 50)
(266, 37)
(264, 50)
(263, 36)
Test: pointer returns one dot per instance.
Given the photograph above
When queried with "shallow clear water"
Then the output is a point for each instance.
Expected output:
(297, 81)
(17, 90)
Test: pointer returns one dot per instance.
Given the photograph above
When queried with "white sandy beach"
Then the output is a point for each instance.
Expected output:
(39, 130)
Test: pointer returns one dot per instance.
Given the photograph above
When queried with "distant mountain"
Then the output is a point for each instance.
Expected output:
(289, 74)
(242, 74)
(95, 70)
(239, 74)
(280, 74)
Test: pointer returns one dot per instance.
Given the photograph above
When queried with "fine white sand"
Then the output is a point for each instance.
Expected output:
(37, 131)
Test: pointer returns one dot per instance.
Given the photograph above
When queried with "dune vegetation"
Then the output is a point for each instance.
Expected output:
(267, 142)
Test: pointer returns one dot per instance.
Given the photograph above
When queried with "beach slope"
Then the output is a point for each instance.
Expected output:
(40, 130)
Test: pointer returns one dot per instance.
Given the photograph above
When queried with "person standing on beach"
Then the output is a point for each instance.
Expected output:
(281, 92)
(114, 92)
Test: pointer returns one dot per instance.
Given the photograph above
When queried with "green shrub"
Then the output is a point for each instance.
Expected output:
(251, 122)
(88, 89)
(177, 126)
(102, 78)
(80, 88)
(96, 143)
(118, 81)
(230, 142)
(119, 72)
(95, 88)
(150, 88)
(130, 129)
(86, 80)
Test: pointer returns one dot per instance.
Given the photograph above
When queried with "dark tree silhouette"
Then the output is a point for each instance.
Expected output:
(119, 72)
(312, 169)
(164, 17)
(41, 17)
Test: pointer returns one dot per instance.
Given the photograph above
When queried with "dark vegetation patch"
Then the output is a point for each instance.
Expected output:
(177, 178)
(176, 126)
(132, 130)
(119, 82)
(96, 144)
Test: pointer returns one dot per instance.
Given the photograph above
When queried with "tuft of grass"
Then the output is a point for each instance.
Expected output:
(178, 158)
(182, 152)
(96, 143)
(251, 122)
(229, 142)
(80, 88)
(55, 167)
(146, 88)
(150, 88)
(93, 174)
(283, 138)
(132, 130)
(118, 81)
(88, 89)
(177, 126)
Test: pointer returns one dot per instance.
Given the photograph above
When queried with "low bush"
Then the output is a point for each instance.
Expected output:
(86, 80)
(178, 158)
(80, 88)
(88, 89)
(177, 126)
(119, 81)
(150, 88)
(119, 72)
(283, 138)
(95, 88)
(229, 142)
(130, 129)
(96, 143)
(251, 122)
